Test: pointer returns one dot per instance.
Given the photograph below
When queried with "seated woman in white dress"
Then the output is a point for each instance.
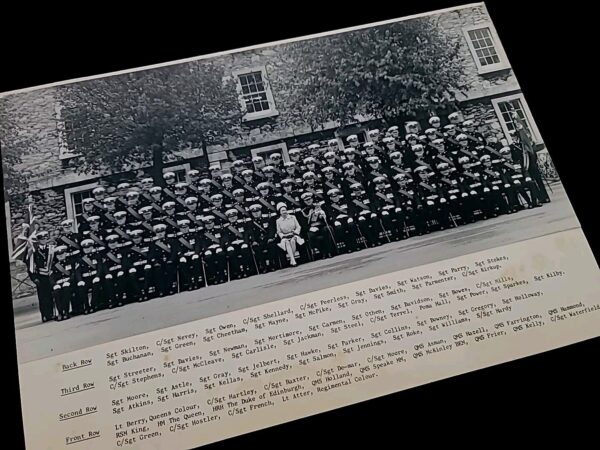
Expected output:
(288, 230)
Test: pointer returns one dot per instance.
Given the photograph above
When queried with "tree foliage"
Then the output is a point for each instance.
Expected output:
(143, 118)
(13, 144)
(380, 72)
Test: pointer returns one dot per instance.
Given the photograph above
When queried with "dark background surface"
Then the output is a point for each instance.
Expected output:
(550, 396)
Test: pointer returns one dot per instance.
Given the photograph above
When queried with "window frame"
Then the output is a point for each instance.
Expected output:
(64, 152)
(249, 116)
(69, 201)
(537, 139)
(503, 64)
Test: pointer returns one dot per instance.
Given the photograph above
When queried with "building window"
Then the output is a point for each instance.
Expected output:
(255, 93)
(74, 201)
(486, 49)
(67, 146)
(506, 106)
(484, 46)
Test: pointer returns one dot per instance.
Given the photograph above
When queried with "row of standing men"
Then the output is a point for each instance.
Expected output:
(152, 241)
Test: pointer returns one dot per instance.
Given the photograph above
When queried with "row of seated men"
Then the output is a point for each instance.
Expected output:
(155, 241)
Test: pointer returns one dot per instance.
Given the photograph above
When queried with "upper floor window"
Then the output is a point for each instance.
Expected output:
(255, 93)
(485, 48)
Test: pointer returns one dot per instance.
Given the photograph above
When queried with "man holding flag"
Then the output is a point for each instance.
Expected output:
(34, 250)
(524, 153)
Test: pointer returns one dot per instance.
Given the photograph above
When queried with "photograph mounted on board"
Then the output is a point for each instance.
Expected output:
(146, 199)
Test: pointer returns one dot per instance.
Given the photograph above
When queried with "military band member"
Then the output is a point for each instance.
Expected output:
(181, 193)
(412, 206)
(240, 203)
(398, 165)
(331, 180)
(163, 254)
(94, 231)
(261, 232)
(468, 127)
(190, 270)
(258, 162)
(69, 239)
(121, 226)
(315, 151)
(295, 155)
(116, 272)
(419, 158)
(394, 133)
(524, 153)
(250, 181)
(436, 206)
(390, 144)
(89, 275)
(277, 164)
(453, 190)
(62, 278)
(158, 199)
(147, 223)
(494, 183)
(436, 123)
(473, 184)
(334, 146)
(215, 259)
(515, 176)
(204, 193)
(351, 175)
(368, 223)
(412, 127)
(99, 194)
(468, 147)
(272, 178)
(291, 195)
(439, 154)
(216, 208)
(237, 167)
(431, 134)
(145, 196)
(168, 190)
(373, 170)
(132, 208)
(455, 118)
(388, 209)
(310, 165)
(88, 210)
(121, 195)
(315, 221)
(235, 237)
(340, 217)
(39, 267)
(292, 172)
(193, 177)
(215, 177)
(169, 218)
(227, 187)
(140, 286)
(107, 217)
(351, 156)
(267, 198)
(330, 159)
(353, 142)
(192, 212)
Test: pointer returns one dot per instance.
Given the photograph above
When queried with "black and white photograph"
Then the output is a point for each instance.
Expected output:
(146, 199)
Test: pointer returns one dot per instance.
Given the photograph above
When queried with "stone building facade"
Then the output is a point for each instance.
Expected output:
(56, 188)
